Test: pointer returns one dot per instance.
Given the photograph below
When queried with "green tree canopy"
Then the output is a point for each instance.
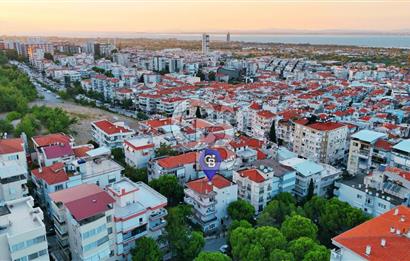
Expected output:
(146, 249)
(256, 244)
(212, 256)
(241, 210)
(277, 210)
(136, 174)
(168, 186)
(119, 156)
(165, 150)
(297, 226)
(5, 127)
(183, 243)
(280, 255)
(301, 246)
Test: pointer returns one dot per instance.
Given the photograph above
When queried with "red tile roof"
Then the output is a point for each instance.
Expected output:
(266, 114)
(55, 138)
(373, 231)
(57, 151)
(203, 186)
(176, 161)
(11, 146)
(252, 174)
(383, 144)
(326, 126)
(80, 152)
(51, 175)
(110, 128)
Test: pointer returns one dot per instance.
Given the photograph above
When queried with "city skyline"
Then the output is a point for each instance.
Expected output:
(81, 18)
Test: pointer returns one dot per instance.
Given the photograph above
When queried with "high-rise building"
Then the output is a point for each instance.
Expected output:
(205, 43)
(228, 37)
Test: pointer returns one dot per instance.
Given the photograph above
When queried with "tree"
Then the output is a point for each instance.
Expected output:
(301, 246)
(165, 150)
(28, 125)
(142, 116)
(311, 190)
(297, 226)
(136, 174)
(198, 113)
(212, 256)
(183, 243)
(281, 255)
(318, 254)
(255, 244)
(275, 213)
(14, 115)
(241, 210)
(211, 76)
(48, 56)
(272, 133)
(118, 154)
(168, 186)
(5, 127)
(95, 144)
(146, 249)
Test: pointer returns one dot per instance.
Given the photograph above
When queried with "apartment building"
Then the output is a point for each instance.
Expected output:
(384, 189)
(139, 151)
(109, 134)
(361, 151)
(262, 123)
(385, 237)
(401, 155)
(138, 211)
(13, 181)
(321, 141)
(22, 231)
(283, 179)
(322, 176)
(56, 141)
(210, 201)
(182, 166)
(95, 168)
(83, 220)
(254, 186)
(13, 150)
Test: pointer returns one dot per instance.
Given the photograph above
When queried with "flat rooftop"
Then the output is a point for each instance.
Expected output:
(403, 146)
(368, 135)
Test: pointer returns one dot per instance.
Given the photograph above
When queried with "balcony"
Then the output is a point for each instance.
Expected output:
(157, 226)
(335, 255)
(162, 213)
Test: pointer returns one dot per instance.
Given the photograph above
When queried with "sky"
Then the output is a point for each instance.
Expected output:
(71, 17)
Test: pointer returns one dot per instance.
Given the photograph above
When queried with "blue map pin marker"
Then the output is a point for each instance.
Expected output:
(210, 160)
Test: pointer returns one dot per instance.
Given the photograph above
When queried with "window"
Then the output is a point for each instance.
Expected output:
(17, 247)
(109, 230)
(109, 218)
(35, 241)
(359, 196)
(58, 187)
(24, 258)
(13, 157)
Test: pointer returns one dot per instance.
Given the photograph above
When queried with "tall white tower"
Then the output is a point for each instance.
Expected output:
(205, 43)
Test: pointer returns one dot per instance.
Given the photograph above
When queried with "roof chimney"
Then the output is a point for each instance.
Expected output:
(392, 230)
(396, 211)
(368, 250)
(383, 242)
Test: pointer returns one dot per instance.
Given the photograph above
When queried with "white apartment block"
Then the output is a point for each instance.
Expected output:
(182, 166)
(261, 124)
(138, 211)
(322, 176)
(377, 193)
(401, 155)
(139, 151)
(13, 150)
(210, 201)
(13, 181)
(361, 151)
(254, 186)
(83, 220)
(321, 142)
(109, 134)
(22, 231)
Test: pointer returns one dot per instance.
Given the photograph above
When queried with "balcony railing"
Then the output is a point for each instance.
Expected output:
(158, 225)
(162, 213)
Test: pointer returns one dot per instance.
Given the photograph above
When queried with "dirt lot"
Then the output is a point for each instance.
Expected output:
(85, 116)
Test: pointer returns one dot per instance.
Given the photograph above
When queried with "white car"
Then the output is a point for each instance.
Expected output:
(224, 249)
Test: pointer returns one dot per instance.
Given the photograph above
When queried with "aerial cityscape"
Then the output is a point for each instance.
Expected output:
(203, 130)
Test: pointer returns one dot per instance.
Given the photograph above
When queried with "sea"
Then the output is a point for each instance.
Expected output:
(381, 41)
